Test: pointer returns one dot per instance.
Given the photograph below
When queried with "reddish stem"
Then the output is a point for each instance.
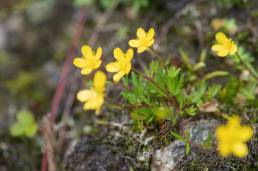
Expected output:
(64, 76)
(67, 66)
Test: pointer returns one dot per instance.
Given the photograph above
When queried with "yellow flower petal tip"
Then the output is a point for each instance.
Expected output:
(144, 40)
(93, 98)
(224, 46)
(122, 65)
(232, 137)
(89, 61)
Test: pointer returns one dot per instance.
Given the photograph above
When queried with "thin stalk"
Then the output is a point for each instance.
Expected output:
(151, 81)
(156, 55)
(170, 98)
(248, 67)
(114, 106)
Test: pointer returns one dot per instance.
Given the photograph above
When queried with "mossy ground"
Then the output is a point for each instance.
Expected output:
(38, 49)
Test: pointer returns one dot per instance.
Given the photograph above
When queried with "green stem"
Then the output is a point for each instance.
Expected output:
(151, 81)
(114, 106)
(248, 67)
(172, 99)
(156, 55)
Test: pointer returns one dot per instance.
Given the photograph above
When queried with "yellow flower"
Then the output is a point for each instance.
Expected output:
(89, 61)
(144, 40)
(122, 65)
(94, 97)
(224, 46)
(232, 137)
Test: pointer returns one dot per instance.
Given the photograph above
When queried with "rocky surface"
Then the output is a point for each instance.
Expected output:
(92, 154)
(200, 130)
(100, 154)
(167, 158)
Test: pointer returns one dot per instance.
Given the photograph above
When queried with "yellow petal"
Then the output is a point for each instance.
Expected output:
(217, 47)
(142, 49)
(86, 51)
(233, 49)
(85, 95)
(234, 121)
(221, 132)
(240, 149)
(97, 64)
(118, 53)
(86, 71)
(128, 68)
(134, 43)
(224, 149)
(223, 52)
(150, 43)
(99, 53)
(221, 38)
(151, 34)
(141, 33)
(80, 63)
(245, 133)
(112, 67)
(118, 76)
(94, 104)
(99, 81)
(129, 54)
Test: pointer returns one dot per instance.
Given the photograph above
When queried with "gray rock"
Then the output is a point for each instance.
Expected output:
(199, 130)
(91, 154)
(166, 159)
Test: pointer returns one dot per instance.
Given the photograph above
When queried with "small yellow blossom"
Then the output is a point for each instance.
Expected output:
(224, 46)
(144, 40)
(122, 65)
(89, 61)
(232, 137)
(217, 23)
(94, 97)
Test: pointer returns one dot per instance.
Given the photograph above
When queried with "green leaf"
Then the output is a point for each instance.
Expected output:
(81, 3)
(199, 92)
(208, 141)
(163, 113)
(25, 117)
(203, 55)
(229, 92)
(249, 91)
(245, 55)
(185, 59)
(106, 3)
(179, 137)
(251, 68)
(154, 66)
(17, 130)
(187, 148)
(191, 110)
(174, 81)
(25, 125)
(130, 97)
(199, 66)
(215, 74)
(143, 114)
(31, 130)
(181, 99)
(213, 91)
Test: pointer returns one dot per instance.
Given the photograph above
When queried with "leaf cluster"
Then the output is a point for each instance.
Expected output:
(25, 125)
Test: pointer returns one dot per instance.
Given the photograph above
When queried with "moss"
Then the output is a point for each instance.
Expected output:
(201, 160)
